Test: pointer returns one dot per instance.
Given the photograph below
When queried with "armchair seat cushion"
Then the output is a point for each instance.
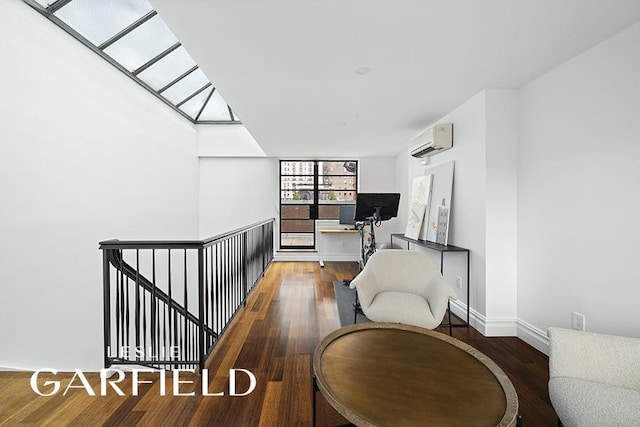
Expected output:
(580, 402)
(401, 307)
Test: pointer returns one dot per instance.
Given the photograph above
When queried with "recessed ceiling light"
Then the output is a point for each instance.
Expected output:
(340, 124)
(363, 70)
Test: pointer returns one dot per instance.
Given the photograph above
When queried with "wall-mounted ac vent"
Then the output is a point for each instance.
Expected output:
(432, 141)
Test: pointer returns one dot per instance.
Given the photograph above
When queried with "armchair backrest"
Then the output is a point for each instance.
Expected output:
(596, 357)
(395, 270)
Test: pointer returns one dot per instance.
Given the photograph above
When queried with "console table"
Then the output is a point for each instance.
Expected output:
(442, 249)
(378, 374)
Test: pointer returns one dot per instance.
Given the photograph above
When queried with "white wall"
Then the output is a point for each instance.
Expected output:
(233, 140)
(545, 196)
(235, 192)
(483, 207)
(467, 217)
(85, 155)
(378, 175)
(578, 196)
(501, 211)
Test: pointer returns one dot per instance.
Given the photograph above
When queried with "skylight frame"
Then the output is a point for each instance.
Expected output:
(54, 6)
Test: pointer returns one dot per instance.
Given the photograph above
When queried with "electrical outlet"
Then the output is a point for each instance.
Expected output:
(459, 282)
(577, 321)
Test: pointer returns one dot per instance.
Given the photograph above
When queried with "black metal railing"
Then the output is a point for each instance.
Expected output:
(166, 303)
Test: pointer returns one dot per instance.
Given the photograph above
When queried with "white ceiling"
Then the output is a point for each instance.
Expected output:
(288, 67)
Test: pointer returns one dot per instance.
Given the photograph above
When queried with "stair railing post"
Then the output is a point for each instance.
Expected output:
(106, 283)
(201, 297)
(243, 258)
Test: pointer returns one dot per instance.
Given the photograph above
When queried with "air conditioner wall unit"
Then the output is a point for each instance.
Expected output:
(432, 141)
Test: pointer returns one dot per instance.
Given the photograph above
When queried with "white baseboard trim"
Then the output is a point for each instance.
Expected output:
(12, 369)
(295, 256)
(476, 320)
(340, 258)
(489, 327)
(501, 327)
(460, 309)
(535, 337)
(312, 256)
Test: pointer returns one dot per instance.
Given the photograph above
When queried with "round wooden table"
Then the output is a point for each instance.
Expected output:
(389, 374)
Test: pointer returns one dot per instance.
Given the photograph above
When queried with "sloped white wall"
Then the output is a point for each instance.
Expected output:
(85, 155)
(578, 194)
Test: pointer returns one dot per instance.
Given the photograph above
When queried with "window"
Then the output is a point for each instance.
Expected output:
(130, 35)
(310, 190)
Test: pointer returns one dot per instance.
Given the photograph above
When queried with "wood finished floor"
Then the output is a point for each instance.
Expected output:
(274, 337)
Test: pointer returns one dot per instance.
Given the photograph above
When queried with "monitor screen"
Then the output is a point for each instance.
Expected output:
(348, 214)
(382, 205)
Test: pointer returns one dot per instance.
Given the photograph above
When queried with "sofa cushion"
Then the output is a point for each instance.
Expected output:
(401, 307)
(586, 403)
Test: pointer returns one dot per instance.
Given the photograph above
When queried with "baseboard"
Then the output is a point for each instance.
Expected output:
(312, 256)
(535, 337)
(339, 258)
(501, 327)
(295, 256)
(459, 309)
(12, 369)
(476, 320)
(489, 327)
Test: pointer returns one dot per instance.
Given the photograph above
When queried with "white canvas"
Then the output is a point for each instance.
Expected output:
(441, 190)
(420, 196)
(414, 222)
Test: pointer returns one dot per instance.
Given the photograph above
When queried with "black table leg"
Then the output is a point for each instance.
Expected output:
(313, 392)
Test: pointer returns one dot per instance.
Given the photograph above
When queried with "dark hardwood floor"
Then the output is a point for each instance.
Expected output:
(274, 337)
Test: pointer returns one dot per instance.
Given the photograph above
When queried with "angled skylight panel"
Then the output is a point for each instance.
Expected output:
(142, 44)
(216, 109)
(99, 20)
(134, 38)
(193, 105)
(185, 87)
(168, 69)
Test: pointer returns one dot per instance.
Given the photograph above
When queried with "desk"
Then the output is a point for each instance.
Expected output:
(442, 249)
(330, 231)
(401, 375)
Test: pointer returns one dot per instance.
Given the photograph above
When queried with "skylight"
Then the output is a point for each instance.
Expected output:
(130, 35)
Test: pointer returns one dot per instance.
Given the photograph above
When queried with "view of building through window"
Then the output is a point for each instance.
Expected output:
(310, 190)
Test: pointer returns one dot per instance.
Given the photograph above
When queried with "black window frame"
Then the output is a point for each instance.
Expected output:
(314, 206)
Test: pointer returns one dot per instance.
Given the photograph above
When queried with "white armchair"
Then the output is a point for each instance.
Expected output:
(594, 379)
(403, 287)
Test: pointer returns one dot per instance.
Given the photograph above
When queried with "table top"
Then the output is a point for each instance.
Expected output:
(393, 374)
(338, 230)
(430, 245)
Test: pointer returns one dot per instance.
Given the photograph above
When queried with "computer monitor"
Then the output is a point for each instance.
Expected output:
(347, 214)
(380, 206)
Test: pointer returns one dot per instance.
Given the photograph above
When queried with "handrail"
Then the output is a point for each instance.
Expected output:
(178, 294)
(177, 244)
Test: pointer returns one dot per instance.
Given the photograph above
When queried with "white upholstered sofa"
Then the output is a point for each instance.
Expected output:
(594, 379)
(402, 286)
